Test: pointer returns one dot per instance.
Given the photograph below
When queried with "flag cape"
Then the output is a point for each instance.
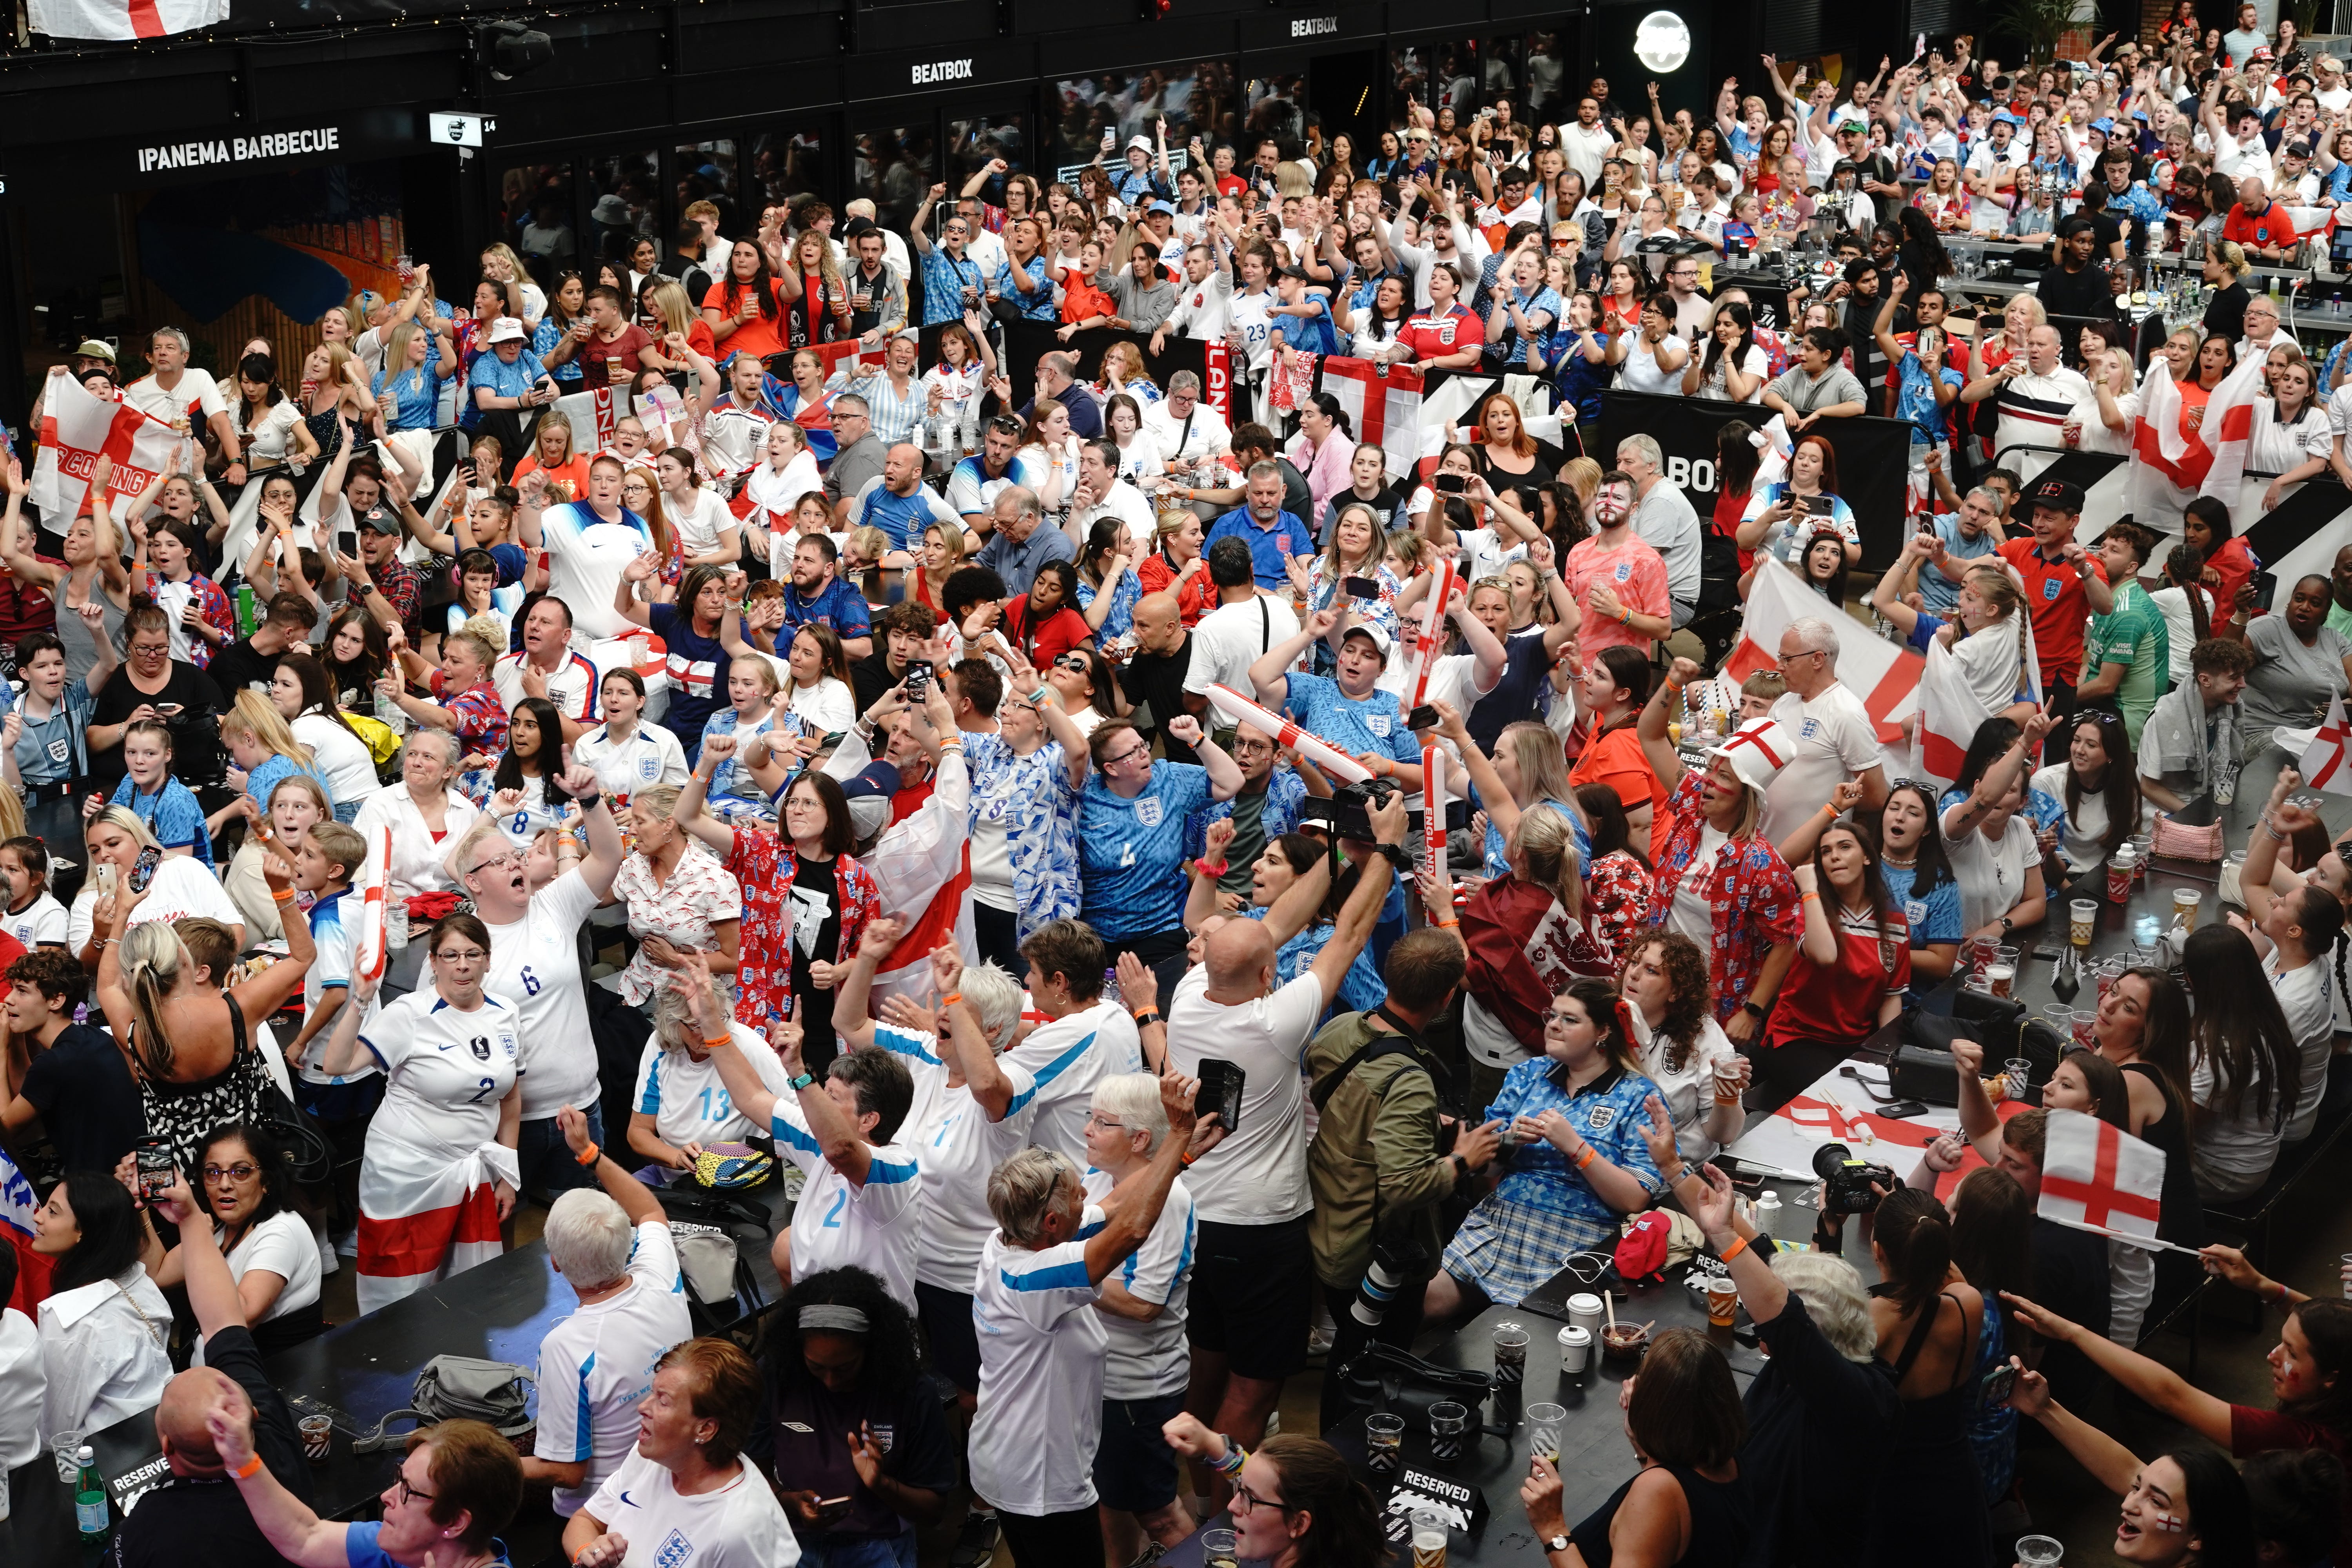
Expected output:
(2228, 428)
(922, 861)
(426, 1213)
(1950, 711)
(2096, 1176)
(76, 429)
(1884, 677)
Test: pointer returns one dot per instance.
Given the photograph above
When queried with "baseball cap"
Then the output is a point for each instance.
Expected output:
(2003, 117)
(1138, 141)
(380, 520)
(2262, 53)
(2294, 150)
(1379, 635)
(1298, 272)
(857, 225)
(95, 348)
(876, 778)
(506, 328)
(2104, 125)
(1156, 206)
(2058, 495)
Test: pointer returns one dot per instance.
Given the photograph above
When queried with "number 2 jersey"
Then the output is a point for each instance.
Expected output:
(839, 1224)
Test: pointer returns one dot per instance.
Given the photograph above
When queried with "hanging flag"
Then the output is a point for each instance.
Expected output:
(117, 21)
(2323, 761)
(2229, 427)
(2097, 1177)
(1884, 677)
(76, 429)
(593, 414)
(2169, 459)
(1383, 404)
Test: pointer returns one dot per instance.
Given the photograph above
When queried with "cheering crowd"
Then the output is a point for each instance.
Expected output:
(1020, 833)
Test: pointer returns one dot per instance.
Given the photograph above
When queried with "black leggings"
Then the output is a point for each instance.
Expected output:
(1053, 1540)
(997, 934)
(1786, 1071)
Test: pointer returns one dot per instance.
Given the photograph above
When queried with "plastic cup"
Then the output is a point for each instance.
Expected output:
(2060, 1018)
(1510, 1353)
(1428, 1539)
(2038, 1551)
(1544, 1425)
(2019, 1073)
(2086, 1030)
(2185, 902)
(66, 1449)
(2081, 921)
(2000, 979)
(1383, 1442)
(1448, 1420)
(1576, 1345)
(1220, 1548)
(1722, 1301)
(318, 1437)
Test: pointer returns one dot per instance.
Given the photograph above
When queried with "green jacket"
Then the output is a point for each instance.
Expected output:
(1375, 1152)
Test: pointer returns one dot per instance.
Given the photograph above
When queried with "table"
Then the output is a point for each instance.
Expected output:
(499, 1310)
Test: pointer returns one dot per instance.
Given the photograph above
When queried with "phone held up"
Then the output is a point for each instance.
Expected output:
(1221, 1091)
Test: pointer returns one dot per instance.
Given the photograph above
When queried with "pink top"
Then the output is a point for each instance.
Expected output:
(1325, 471)
(1633, 572)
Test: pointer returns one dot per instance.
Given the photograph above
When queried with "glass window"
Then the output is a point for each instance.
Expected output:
(976, 142)
(1544, 82)
(702, 172)
(623, 205)
(1274, 106)
(1407, 77)
(787, 165)
(1195, 99)
(535, 214)
(1455, 78)
(891, 167)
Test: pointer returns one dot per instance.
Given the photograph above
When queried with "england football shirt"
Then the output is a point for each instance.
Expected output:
(596, 1364)
(837, 1225)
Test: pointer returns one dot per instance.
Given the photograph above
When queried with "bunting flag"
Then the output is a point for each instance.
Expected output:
(119, 21)
(1884, 677)
(2097, 1177)
(2323, 761)
(1383, 404)
(76, 429)
(2229, 427)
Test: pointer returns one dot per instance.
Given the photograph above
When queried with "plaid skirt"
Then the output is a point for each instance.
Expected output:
(1508, 1249)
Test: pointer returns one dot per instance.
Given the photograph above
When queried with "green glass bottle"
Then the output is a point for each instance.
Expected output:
(244, 609)
(90, 1498)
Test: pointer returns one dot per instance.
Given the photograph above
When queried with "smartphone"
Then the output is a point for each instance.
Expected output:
(1422, 718)
(157, 1169)
(105, 875)
(1999, 1386)
(918, 680)
(1450, 484)
(1360, 588)
(143, 871)
(833, 1507)
(170, 709)
(348, 543)
(1221, 1091)
(1903, 1108)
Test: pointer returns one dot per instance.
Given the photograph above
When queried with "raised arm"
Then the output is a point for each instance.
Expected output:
(689, 814)
(1135, 1209)
(1270, 674)
(1363, 910)
(293, 1530)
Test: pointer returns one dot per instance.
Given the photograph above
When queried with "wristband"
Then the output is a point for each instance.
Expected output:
(1808, 898)
(715, 1041)
(1446, 924)
(285, 897)
(802, 1082)
(1037, 696)
(1235, 1456)
(588, 1155)
(1209, 871)
(250, 1469)
(1587, 1157)
(951, 999)
(1147, 1018)
(1739, 1245)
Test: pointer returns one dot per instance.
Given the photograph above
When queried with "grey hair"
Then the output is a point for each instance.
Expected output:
(674, 1023)
(853, 398)
(1991, 496)
(1265, 467)
(176, 335)
(1819, 635)
(588, 1239)
(447, 739)
(1185, 381)
(1024, 1187)
(1646, 446)
(661, 800)
(1833, 1298)
(1023, 499)
(995, 998)
(1134, 1098)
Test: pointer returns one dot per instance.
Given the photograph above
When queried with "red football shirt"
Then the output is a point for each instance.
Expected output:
(2055, 599)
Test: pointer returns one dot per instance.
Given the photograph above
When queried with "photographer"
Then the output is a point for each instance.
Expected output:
(1824, 1407)
(1380, 1162)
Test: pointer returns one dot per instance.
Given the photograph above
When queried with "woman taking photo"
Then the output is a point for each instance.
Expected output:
(445, 1137)
(1682, 1049)
(103, 1325)
(300, 693)
(1176, 566)
(1989, 840)
(1687, 1503)
(153, 685)
(2098, 784)
(188, 1044)
(2245, 1070)
(1734, 368)
(685, 911)
(1853, 967)
(245, 1182)
(1720, 882)
(1782, 516)
(2301, 663)
(1358, 547)
(1579, 1165)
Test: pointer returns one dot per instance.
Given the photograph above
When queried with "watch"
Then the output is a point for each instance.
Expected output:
(802, 1082)
(2007, 925)
(1556, 1544)
(1395, 854)
(1750, 1008)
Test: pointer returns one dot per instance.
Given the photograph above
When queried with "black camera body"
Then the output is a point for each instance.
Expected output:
(1846, 1182)
(1349, 809)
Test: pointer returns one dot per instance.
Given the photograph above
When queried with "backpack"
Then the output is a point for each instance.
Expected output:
(461, 1388)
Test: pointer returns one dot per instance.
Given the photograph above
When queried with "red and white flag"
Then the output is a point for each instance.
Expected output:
(1884, 677)
(2229, 427)
(2322, 764)
(1383, 404)
(76, 429)
(2097, 1177)
(2169, 459)
(116, 20)
(1951, 711)
(368, 962)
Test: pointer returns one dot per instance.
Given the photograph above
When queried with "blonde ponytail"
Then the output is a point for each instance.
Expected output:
(152, 961)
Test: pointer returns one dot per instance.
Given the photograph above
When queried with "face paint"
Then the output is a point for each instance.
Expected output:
(2172, 1523)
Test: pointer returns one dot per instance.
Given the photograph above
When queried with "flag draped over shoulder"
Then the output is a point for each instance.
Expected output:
(2229, 427)
(1884, 677)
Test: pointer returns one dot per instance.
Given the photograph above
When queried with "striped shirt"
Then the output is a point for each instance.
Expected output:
(2031, 408)
(897, 418)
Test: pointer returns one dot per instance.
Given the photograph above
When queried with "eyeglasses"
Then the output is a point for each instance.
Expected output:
(239, 1172)
(410, 1494)
(461, 956)
(1107, 1123)
(1787, 658)
(512, 858)
(1073, 662)
(1248, 1501)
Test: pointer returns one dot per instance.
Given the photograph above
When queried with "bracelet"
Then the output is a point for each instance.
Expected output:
(951, 999)
(1445, 924)
(1235, 1456)
(1808, 897)
(715, 1041)
(250, 1469)
(588, 1156)
(1587, 1157)
(285, 897)
(1147, 1018)
(1037, 696)
(1672, 684)
(1211, 872)
(1739, 1245)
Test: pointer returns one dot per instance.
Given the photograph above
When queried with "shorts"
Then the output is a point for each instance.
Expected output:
(955, 1343)
(1253, 1291)
(1135, 1470)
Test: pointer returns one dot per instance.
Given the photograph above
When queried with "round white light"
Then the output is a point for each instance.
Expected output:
(1661, 42)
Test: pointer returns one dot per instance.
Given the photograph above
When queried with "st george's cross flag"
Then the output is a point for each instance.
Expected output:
(1884, 677)
(1951, 710)
(2097, 1177)
(2229, 426)
(115, 21)
(1383, 404)
(2323, 764)
(77, 428)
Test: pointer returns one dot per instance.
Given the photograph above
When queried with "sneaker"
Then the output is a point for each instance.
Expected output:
(976, 1542)
(348, 1244)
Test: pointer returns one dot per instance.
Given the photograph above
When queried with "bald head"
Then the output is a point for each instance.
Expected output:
(180, 1417)
(1239, 960)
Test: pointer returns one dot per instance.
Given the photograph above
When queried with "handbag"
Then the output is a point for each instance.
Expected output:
(461, 1388)
(2181, 841)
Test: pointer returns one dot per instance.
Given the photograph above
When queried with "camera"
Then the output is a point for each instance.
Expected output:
(1393, 1264)
(1846, 1181)
(1349, 810)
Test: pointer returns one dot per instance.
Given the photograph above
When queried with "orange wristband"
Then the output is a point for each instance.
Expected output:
(951, 999)
(1739, 1245)
(250, 1469)
(588, 1156)
(1589, 1155)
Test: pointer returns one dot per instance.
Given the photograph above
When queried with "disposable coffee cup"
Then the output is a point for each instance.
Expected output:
(1575, 1348)
(1584, 1311)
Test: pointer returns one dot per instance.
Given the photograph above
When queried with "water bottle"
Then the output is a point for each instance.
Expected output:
(81, 1013)
(90, 1499)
